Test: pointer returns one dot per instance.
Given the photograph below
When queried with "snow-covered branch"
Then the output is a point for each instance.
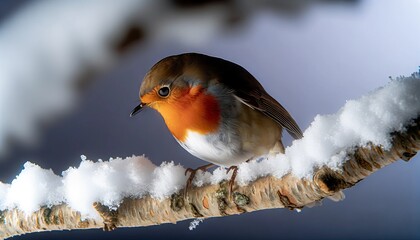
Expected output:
(337, 152)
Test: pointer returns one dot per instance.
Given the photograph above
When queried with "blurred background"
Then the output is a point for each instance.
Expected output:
(70, 72)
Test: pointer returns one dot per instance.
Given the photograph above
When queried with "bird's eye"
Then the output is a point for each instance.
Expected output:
(163, 91)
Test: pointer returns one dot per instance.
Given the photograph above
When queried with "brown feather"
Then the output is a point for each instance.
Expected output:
(247, 88)
(263, 102)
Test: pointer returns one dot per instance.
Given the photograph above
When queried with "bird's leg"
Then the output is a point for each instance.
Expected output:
(192, 175)
(232, 179)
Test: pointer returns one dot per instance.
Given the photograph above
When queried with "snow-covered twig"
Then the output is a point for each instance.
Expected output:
(363, 137)
(212, 200)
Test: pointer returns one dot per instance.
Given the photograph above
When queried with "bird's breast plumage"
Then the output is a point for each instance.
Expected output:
(191, 109)
(215, 148)
(242, 134)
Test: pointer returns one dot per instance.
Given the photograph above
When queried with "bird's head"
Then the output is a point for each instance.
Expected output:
(176, 87)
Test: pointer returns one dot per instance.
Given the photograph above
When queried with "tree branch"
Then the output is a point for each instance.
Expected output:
(213, 201)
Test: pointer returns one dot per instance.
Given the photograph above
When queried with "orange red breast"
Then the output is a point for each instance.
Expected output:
(187, 109)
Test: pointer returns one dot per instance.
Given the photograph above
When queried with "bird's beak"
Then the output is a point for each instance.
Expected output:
(137, 109)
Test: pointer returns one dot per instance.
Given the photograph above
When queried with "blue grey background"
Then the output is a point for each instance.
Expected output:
(312, 64)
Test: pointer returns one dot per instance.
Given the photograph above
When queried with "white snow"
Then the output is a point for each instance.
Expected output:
(33, 187)
(326, 142)
(195, 223)
(369, 119)
(106, 182)
(167, 179)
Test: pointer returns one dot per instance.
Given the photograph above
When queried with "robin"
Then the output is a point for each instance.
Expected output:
(216, 110)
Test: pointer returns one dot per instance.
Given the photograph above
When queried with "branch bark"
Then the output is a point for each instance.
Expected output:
(213, 201)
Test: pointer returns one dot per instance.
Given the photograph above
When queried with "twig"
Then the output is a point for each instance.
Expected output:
(213, 201)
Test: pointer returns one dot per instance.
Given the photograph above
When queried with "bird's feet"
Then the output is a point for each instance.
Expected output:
(192, 175)
(232, 179)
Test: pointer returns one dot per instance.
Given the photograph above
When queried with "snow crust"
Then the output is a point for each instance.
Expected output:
(326, 142)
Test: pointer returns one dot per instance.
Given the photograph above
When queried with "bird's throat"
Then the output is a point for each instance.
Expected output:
(195, 110)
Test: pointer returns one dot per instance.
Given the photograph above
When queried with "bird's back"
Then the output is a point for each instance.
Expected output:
(243, 85)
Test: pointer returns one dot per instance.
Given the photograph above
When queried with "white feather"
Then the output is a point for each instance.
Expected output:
(214, 151)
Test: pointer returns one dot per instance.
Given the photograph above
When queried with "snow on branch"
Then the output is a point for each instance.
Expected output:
(337, 151)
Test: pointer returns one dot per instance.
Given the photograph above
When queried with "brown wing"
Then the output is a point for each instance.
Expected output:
(263, 102)
(252, 93)
(247, 89)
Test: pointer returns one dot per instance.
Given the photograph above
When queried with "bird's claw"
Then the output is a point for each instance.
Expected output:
(192, 175)
(232, 179)
(190, 179)
(188, 170)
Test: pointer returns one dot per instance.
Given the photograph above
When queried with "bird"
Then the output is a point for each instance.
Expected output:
(216, 110)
